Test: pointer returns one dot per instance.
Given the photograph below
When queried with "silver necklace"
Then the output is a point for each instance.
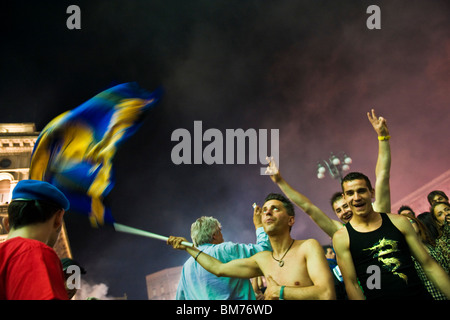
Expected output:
(281, 262)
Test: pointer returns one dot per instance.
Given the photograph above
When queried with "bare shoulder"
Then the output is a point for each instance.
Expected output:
(308, 245)
(341, 238)
(261, 255)
(342, 233)
(396, 217)
(401, 222)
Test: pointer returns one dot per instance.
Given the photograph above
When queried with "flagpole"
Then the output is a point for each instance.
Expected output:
(126, 229)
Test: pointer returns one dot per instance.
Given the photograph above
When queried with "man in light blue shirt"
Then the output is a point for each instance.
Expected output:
(198, 284)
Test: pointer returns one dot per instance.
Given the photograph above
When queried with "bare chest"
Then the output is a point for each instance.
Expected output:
(292, 271)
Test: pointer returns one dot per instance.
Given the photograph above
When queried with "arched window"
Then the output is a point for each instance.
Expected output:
(5, 187)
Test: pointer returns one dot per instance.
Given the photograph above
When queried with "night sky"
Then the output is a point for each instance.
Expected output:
(311, 69)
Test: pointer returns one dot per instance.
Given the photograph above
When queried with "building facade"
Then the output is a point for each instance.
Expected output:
(417, 200)
(162, 285)
(16, 145)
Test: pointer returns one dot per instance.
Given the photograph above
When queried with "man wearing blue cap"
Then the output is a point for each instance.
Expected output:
(29, 267)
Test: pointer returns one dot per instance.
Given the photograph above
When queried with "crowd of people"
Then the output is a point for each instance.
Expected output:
(374, 254)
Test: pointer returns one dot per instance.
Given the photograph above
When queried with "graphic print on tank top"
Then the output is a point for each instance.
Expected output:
(383, 250)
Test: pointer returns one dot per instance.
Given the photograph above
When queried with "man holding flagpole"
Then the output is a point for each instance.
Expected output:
(294, 270)
(198, 284)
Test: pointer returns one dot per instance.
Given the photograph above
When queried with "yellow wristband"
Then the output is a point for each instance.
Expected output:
(384, 138)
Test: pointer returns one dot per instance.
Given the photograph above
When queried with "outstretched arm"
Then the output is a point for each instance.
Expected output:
(324, 222)
(432, 269)
(383, 167)
(240, 268)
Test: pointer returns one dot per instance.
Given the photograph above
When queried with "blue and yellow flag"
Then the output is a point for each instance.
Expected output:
(75, 151)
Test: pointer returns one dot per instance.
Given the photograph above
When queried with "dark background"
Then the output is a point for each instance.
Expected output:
(311, 69)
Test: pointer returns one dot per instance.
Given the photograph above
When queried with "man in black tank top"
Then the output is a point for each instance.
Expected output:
(384, 251)
(374, 250)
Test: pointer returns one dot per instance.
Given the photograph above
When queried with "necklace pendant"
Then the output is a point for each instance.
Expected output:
(281, 262)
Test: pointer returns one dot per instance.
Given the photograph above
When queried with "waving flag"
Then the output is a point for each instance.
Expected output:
(75, 150)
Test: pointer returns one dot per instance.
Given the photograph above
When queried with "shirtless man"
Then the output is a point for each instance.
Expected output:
(294, 270)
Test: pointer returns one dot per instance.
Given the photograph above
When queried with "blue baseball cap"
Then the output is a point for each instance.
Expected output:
(40, 190)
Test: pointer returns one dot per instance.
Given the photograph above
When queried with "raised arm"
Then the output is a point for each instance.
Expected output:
(324, 222)
(383, 167)
(432, 269)
(341, 246)
(262, 239)
(239, 268)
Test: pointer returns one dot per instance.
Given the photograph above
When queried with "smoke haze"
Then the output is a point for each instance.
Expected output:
(311, 69)
(97, 291)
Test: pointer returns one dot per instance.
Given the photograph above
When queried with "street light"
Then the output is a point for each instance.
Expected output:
(335, 165)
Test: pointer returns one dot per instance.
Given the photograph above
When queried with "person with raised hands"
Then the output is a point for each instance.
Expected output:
(339, 205)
